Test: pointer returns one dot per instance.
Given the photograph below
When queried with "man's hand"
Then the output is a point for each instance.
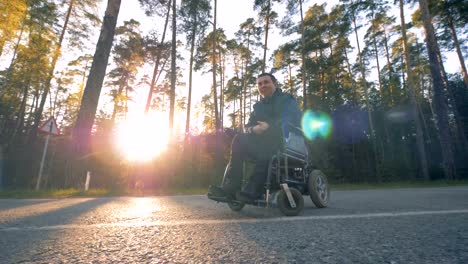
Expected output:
(260, 128)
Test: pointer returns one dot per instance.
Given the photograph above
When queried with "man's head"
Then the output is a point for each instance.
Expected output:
(266, 84)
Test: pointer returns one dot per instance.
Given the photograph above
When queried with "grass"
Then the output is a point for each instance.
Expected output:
(70, 193)
(55, 193)
(399, 184)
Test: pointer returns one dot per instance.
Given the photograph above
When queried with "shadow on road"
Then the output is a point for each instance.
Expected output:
(6, 204)
(34, 243)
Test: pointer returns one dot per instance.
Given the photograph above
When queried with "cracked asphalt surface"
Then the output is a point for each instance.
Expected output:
(422, 225)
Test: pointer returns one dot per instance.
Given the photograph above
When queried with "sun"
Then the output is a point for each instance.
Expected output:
(142, 137)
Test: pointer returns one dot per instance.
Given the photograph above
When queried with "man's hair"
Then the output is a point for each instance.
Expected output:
(273, 78)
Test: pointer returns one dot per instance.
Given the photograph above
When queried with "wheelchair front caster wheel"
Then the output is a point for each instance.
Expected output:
(236, 205)
(284, 204)
(319, 189)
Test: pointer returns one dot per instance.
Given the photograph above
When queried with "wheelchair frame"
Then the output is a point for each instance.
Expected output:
(280, 162)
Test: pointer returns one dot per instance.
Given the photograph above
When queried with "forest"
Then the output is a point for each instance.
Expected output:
(379, 77)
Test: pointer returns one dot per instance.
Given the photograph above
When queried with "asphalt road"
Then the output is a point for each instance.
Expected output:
(427, 225)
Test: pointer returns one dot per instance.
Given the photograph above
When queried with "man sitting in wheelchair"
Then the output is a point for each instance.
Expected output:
(262, 138)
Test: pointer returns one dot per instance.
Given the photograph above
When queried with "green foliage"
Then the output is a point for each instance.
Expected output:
(195, 17)
(128, 57)
(83, 20)
(13, 13)
(204, 57)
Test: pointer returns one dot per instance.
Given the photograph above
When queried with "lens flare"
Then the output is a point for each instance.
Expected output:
(316, 124)
(142, 138)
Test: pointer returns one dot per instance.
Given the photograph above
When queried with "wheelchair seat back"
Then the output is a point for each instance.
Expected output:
(295, 145)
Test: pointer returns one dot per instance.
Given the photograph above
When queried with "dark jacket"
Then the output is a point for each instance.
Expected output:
(278, 110)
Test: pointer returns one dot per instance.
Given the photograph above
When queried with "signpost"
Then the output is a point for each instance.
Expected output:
(50, 128)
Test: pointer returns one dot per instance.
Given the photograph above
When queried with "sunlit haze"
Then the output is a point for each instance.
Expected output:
(142, 138)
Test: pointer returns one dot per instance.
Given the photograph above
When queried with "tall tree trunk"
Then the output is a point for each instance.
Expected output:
(242, 98)
(218, 143)
(378, 66)
(2, 44)
(389, 66)
(20, 120)
(244, 81)
(126, 101)
(158, 58)
(50, 75)
(439, 102)
(189, 100)
(414, 103)
(460, 141)
(321, 77)
(250, 100)
(369, 110)
(459, 52)
(221, 88)
(403, 79)
(117, 99)
(303, 70)
(351, 76)
(267, 27)
(215, 92)
(421, 74)
(173, 69)
(84, 123)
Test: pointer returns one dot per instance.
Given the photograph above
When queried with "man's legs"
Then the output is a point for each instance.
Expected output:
(258, 177)
(244, 147)
(240, 150)
(254, 187)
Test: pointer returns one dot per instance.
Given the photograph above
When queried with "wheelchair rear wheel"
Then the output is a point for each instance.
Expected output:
(285, 206)
(236, 205)
(319, 189)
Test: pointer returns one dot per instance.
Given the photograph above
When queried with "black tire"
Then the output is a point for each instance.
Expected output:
(319, 189)
(285, 207)
(236, 205)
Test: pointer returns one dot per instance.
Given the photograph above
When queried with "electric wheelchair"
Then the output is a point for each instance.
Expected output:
(290, 176)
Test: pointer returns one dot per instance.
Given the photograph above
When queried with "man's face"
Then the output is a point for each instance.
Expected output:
(265, 85)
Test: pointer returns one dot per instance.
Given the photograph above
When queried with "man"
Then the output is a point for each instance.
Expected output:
(262, 138)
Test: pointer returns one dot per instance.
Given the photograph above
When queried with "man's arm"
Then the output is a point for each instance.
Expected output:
(248, 129)
(255, 126)
(258, 129)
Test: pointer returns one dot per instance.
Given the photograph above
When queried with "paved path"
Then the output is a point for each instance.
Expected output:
(426, 225)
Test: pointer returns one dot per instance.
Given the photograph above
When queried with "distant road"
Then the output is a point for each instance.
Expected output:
(422, 225)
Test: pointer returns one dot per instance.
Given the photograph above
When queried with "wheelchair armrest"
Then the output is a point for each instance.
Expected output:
(294, 129)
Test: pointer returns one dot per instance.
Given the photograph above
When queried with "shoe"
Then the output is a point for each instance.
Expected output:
(216, 191)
